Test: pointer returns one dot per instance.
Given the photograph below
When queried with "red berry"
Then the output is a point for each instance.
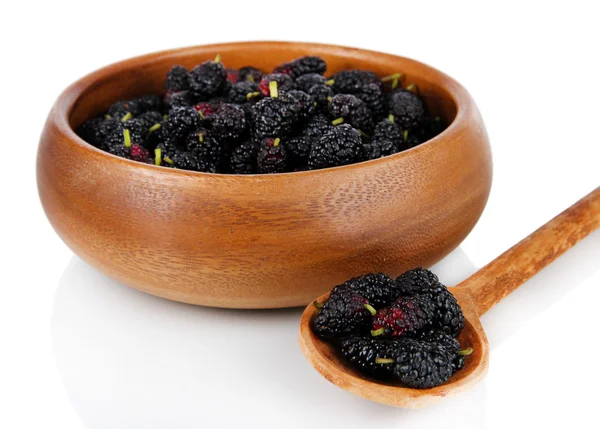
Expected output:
(206, 108)
(139, 153)
(233, 75)
(406, 314)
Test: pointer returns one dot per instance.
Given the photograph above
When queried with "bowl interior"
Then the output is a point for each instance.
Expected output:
(146, 74)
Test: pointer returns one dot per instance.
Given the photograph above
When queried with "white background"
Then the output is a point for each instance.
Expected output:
(79, 350)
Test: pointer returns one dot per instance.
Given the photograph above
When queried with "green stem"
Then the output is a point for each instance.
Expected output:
(413, 88)
(378, 332)
(371, 309)
(384, 361)
(127, 137)
(391, 77)
(337, 121)
(465, 352)
(317, 305)
(273, 89)
(154, 128)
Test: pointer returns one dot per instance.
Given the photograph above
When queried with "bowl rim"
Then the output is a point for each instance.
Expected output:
(67, 100)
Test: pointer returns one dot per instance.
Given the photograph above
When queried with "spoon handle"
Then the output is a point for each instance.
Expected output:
(522, 261)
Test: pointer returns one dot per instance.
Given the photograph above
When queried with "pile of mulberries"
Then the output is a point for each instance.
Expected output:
(249, 121)
(403, 330)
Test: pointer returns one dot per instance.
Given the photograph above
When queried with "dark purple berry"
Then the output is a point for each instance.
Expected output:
(407, 108)
(272, 157)
(208, 79)
(302, 66)
(340, 145)
(178, 79)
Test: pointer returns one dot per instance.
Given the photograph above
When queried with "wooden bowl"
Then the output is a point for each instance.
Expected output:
(261, 241)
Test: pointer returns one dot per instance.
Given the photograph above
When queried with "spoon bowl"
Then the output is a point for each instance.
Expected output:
(476, 296)
(329, 363)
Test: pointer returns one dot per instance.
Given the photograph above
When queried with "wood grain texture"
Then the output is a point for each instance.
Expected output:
(260, 241)
(518, 264)
(475, 295)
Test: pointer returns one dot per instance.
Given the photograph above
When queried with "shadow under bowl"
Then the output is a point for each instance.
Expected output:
(260, 241)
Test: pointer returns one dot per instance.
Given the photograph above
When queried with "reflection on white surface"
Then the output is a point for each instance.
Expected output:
(128, 359)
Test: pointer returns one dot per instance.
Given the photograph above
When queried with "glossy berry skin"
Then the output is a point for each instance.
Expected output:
(284, 83)
(179, 99)
(375, 99)
(352, 81)
(448, 315)
(272, 118)
(168, 149)
(118, 150)
(149, 119)
(343, 314)
(301, 104)
(90, 131)
(181, 122)
(178, 79)
(204, 145)
(243, 158)
(353, 110)
(405, 315)
(150, 103)
(419, 364)
(307, 81)
(379, 289)
(272, 157)
(106, 128)
(316, 126)
(378, 148)
(458, 363)
(251, 74)
(361, 351)
(436, 335)
(340, 145)
(190, 161)
(302, 66)
(234, 107)
(321, 94)
(416, 281)
(208, 79)
(227, 123)
(121, 108)
(387, 139)
(239, 92)
(407, 108)
(298, 149)
(137, 135)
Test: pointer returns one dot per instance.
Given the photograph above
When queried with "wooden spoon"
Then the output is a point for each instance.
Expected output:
(476, 295)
